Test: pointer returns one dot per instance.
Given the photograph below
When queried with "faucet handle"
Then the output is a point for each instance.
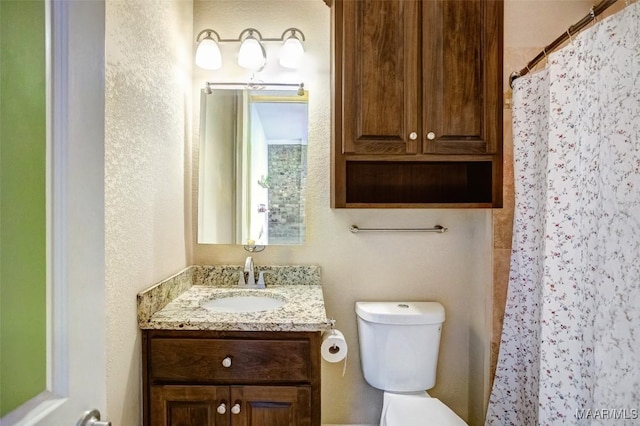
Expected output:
(260, 283)
(241, 282)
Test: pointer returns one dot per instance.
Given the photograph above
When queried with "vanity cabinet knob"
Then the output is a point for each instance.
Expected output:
(236, 408)
(222, 408)
(431, 136)
(413, 136)
(226, 363)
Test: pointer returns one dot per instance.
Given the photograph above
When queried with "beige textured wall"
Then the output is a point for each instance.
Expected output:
(454, 268)
(147, 207)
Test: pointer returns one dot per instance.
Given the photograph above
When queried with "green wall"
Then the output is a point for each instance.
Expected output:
(22, 202)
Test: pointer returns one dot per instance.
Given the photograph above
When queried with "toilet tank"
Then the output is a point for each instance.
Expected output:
(399, 344)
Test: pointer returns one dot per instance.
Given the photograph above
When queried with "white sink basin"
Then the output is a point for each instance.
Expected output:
(250, 302)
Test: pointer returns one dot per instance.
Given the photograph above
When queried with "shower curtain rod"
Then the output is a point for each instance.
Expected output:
(571, 31)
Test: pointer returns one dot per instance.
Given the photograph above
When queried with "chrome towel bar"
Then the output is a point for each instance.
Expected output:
(438, 229)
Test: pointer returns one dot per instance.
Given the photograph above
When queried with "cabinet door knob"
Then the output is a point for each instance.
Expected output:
(236, 408)
(222, 408)
(413, 136)
(226, 363)
(431, 136)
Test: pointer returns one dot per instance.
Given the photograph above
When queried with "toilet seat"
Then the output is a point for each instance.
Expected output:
(416, 409)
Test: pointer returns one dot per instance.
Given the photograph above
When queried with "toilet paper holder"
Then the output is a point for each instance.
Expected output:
(334, 346)
(331, 323)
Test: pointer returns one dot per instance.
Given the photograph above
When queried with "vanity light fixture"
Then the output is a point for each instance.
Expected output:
(251, 54)
(292, 51)
(208, 52)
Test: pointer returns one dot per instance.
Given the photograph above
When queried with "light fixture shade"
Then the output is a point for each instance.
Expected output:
(208, 54)
(291, 53)
(251, 54)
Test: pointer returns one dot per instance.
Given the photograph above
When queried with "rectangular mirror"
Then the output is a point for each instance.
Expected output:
(253, 166)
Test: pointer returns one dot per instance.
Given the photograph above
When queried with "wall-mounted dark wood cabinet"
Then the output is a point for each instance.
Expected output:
(417, 106)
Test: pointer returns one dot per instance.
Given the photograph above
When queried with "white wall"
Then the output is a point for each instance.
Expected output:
(453, 268)
(147, 202)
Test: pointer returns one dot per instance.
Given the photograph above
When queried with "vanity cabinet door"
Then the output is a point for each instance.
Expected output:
(230, 406)
(189, 405)
(271, 405)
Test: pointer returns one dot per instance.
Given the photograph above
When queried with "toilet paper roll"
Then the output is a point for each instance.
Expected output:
(334, 346)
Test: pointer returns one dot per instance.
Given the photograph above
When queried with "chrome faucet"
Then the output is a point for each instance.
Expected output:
(248, 268)
(251, 278)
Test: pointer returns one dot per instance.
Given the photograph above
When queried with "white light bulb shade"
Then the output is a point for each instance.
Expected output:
(251, 54)
(291, 53)
(208, 54)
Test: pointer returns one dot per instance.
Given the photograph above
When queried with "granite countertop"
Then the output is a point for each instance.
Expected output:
(174, 304)
(302, 311)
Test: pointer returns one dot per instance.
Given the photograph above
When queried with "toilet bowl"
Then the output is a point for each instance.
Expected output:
(416, 409)
(399, 344)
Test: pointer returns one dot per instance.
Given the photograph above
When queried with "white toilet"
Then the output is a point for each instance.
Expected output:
(399, 353)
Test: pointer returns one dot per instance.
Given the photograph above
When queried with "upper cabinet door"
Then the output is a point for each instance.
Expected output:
(462, 76)
(379, 53)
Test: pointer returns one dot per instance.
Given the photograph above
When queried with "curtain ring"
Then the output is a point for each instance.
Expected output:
(569, 34)
(544, 51)
(514, 75)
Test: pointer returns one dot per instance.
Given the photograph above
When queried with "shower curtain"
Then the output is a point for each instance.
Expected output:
(570, 347)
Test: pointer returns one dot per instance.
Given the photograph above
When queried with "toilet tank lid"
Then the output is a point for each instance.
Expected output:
(401, 312)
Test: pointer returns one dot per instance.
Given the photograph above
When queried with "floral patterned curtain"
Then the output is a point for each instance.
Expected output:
(570, 347)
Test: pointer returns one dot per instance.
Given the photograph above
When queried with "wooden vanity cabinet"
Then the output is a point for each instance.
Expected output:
(417, 107)
(231, 378)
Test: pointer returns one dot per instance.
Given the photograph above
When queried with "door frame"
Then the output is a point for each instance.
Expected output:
(76, 309)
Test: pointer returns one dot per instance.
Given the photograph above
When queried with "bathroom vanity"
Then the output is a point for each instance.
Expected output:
(231, 378)
(207, 367)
